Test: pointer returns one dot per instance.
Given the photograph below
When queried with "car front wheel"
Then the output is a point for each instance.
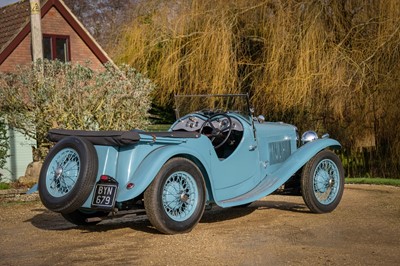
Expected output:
(322, 182)
(175, 200)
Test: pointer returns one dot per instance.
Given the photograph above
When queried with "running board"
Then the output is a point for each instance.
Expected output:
(268, 185)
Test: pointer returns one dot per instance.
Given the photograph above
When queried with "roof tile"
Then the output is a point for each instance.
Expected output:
(12, 19)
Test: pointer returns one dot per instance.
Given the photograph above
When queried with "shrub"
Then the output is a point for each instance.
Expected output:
(4, 145)
(52, 94)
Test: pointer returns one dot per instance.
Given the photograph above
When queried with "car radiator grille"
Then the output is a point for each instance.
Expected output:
(279, 151)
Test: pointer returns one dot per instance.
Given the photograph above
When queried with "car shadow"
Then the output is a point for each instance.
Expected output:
(217, 214)
(281, 205)
(48, 220)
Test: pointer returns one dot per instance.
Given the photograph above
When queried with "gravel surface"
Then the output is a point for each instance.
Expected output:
(277, 230)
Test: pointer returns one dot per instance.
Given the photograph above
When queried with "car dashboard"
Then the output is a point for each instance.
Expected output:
(195, 123)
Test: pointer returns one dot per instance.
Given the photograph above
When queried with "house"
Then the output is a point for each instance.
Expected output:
(64, 38)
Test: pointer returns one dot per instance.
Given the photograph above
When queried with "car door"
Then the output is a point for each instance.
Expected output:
(240, 172)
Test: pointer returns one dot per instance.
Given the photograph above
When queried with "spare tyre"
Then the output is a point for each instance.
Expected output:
(68, 174)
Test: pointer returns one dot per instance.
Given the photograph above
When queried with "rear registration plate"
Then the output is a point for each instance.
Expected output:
(104, 195)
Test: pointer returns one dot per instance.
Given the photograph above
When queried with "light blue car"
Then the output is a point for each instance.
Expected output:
(215, 153)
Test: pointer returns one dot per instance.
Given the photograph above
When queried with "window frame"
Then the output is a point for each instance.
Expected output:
(53, 38)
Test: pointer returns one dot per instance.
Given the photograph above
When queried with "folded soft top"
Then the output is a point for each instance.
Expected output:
(113, 137)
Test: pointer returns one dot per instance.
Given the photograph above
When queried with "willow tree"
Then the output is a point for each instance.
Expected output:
(330, 65)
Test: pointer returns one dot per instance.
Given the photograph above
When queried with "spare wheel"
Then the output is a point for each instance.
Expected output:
(68, 174)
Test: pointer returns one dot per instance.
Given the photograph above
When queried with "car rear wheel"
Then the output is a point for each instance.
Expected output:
(68, 175)
(322, 182)
(175, 200)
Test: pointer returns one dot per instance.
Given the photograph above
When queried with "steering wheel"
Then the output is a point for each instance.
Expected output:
(218, 135)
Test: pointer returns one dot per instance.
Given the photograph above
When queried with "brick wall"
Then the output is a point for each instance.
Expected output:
(20, 56)
(53, 23)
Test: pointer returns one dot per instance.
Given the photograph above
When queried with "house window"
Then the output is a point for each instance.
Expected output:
(56, 47)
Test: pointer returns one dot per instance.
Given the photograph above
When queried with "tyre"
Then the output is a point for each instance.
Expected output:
(175, 200)
(79, 217)
(322, 182)
(68, 175)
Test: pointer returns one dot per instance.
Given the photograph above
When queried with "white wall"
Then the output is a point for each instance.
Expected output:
(20, 156)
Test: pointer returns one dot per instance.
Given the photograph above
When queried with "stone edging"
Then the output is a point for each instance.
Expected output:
(17, 195)
(12, 191)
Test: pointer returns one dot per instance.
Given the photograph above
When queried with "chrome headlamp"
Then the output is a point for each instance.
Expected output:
(308, 136)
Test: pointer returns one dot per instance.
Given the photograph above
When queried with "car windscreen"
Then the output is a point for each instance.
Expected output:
(209, 104)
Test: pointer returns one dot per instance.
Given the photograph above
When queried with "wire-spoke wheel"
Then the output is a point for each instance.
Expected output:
(63, 172)
(175, 200)
(322, 182)
(180, 196)
(326, 181)
(68, 175)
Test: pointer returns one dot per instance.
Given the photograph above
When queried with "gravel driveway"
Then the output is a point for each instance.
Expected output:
(277, 230)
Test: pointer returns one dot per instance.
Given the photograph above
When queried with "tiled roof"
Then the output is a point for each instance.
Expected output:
(12, 19)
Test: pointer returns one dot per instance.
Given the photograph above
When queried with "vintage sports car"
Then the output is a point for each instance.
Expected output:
(215, 153)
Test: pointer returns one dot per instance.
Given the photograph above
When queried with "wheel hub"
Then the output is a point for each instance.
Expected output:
(58, 171)
(184, 197)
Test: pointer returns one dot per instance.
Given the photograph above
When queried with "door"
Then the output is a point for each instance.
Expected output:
(238, 173)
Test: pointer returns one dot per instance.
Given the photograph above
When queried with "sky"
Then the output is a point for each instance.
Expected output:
(7, 2)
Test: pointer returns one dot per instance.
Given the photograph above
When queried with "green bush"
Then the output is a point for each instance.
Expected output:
(4, 145)
(52, 94)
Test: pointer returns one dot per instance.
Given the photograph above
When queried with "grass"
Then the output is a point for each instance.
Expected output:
(4, 186)
(159, 127)
(12, 185)
(373, 181)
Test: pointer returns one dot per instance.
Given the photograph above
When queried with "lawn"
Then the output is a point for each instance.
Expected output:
(373, 181)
